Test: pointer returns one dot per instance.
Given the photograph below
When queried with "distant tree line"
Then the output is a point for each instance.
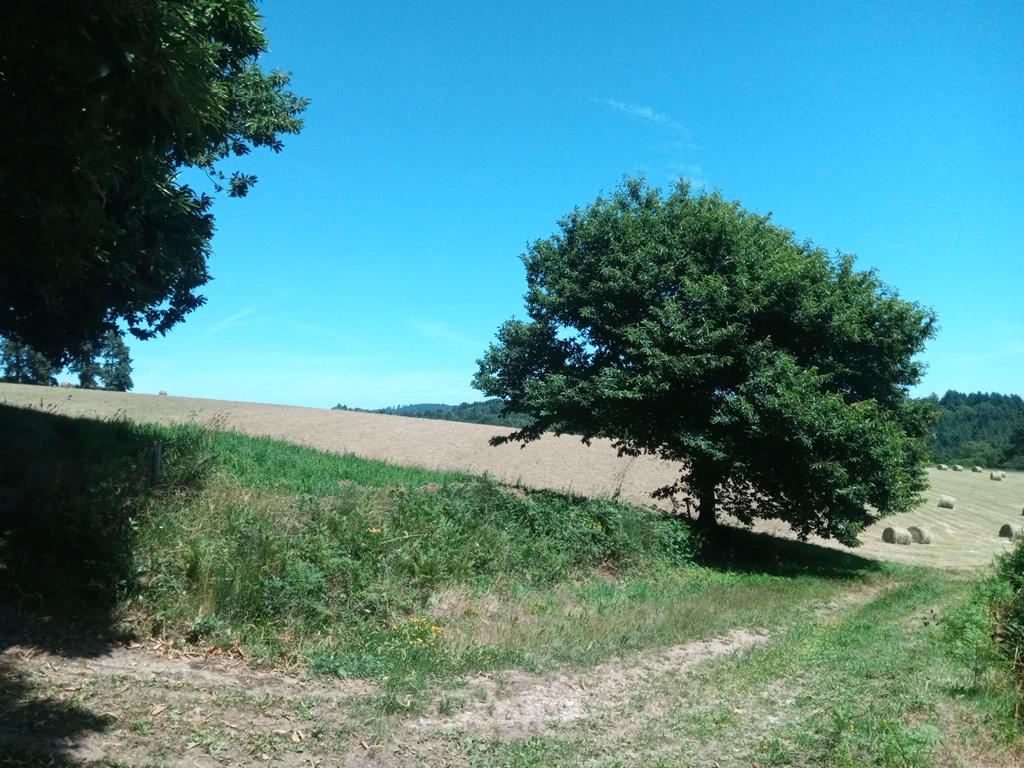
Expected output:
(981, 428)
(481, 412)
(105, 365)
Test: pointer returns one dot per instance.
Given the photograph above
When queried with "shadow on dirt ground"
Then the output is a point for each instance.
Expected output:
(69, 492)
(736, 549)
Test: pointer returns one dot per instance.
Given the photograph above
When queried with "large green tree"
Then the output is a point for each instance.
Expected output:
(687, 327)
(104, 103)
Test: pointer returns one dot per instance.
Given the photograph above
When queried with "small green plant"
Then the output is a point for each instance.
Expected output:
(862, 739)
(967, 632)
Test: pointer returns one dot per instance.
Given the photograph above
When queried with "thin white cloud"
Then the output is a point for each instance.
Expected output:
(444, 332)
(1012, 349)
(233, 321)
(642, 112)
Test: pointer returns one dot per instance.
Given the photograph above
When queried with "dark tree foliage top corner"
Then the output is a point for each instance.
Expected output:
(103, 103)
(684, 326)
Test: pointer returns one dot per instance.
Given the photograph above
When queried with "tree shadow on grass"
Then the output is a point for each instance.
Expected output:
(736, 549)
(70, 490)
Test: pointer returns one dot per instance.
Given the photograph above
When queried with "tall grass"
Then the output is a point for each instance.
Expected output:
(287, 553)
(342, 565)
(278, 572)
(986, 634)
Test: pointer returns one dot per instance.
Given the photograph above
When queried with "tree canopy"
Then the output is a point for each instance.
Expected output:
(105, 102)
(979, 428)
(687, 327)
(104, 365)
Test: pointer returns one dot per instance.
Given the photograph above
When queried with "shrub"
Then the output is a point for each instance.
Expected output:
(986, 633)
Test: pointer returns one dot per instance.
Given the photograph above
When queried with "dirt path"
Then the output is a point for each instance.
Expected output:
(517, 703)
(144, 705)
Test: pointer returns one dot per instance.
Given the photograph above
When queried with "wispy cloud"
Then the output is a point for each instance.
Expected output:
(444, 332)
(1012, 348)
(641, 112)
(692, 173)
(233, 321)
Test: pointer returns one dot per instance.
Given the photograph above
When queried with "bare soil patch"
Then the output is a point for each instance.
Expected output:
(518, 704)
(147, 706)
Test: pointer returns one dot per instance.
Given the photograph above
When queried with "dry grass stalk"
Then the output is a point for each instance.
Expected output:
(919, 535)
(896, 536)
(946, 502)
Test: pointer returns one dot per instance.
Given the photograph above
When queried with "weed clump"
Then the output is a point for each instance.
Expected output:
(986, 633)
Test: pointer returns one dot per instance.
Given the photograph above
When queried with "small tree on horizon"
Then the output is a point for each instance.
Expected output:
(689, 328)
(104, 366)
(23, 365)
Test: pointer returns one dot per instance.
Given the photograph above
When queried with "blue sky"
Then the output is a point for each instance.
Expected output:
(379, 253)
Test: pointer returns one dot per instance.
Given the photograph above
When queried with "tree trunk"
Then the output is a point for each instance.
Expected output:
(704, 486)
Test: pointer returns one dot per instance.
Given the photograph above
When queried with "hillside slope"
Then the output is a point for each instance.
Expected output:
(965, 538)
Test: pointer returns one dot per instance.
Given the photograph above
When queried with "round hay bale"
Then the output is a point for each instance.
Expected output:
(896, 536)
(1010, 531)
(996, 475)
(958, 468)
(946, 502)
(942, 466)
(919, 535)
(976, 468)
(1002, 475)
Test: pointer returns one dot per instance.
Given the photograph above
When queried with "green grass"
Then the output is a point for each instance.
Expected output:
(263, 464)
(596, 618)
(290, 554)
(332, 565)
(342, 565)
(876, 686)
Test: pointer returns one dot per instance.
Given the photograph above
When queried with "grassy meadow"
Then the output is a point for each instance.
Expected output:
(413, 617)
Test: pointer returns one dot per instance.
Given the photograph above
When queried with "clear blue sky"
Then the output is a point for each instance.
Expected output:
(378, 254)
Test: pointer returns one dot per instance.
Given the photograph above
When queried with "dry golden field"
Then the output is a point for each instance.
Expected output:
(965, 537)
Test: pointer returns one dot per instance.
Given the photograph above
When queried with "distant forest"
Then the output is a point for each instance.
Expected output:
(980, 428)
(482, 412)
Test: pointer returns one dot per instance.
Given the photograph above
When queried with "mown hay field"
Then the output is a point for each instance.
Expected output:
(963, 537)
